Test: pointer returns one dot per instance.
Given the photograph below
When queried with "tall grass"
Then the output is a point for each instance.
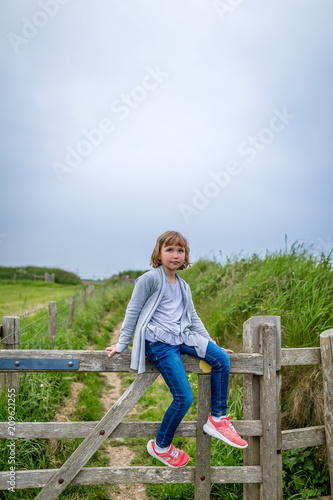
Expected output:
(293, 285)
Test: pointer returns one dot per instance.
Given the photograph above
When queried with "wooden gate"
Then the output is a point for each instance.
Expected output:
(261, 473)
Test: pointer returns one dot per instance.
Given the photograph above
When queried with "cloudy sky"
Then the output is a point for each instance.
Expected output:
(123, 119)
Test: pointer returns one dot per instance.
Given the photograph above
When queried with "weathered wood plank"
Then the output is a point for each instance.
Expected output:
(301, 356)
(146, 475)
(301, 438)
(203, 442)
(98, 435)
(98, 361)
(268, 410)
(69, 430)
(249, 474)
(278, 410)
(326, 346)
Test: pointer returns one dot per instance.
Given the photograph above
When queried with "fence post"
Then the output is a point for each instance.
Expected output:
(72, 309)
(203, 442)
(103, 289)
(91, 291)
(11, 340)
(326, 346)
(52, 320)
(251, 399)
(84, 297)
(269, 413)
(251, 405)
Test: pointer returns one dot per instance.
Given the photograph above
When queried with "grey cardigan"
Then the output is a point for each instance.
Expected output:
(147, 294)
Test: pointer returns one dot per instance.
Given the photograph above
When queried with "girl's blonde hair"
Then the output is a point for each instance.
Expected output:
(166, 239)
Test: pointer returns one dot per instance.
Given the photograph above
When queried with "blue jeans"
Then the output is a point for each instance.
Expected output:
(167, 359)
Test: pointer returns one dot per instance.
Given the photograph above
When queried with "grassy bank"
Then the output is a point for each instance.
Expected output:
(291, 284)
(27, 274)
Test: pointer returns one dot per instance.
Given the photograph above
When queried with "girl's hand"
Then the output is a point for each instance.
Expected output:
(229, 351)
(112, 350)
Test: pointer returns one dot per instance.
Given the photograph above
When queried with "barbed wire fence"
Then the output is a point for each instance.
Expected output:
(38, 333)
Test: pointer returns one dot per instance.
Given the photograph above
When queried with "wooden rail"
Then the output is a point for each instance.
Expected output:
(261, 473)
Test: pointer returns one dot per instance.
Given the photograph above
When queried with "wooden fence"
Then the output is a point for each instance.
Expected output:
(260, 363)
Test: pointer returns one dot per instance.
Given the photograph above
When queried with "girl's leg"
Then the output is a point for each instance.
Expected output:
(222, 429)
(167, 359)
(219, 360)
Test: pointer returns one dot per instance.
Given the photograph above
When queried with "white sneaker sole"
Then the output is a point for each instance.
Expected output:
(153, 454)
(213, 432)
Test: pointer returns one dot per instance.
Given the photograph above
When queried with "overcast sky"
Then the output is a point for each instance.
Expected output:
(123, 119)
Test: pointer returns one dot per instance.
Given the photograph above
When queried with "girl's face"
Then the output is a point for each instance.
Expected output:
(172, 257)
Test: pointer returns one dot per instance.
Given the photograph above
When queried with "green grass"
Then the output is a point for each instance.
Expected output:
(28, 272)
(18, 298)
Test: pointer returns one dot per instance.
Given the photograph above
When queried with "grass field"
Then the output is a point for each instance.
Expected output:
(21, 297)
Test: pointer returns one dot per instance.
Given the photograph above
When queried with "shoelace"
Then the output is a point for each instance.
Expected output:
(229, 424)
(232, 427)
(174, 453)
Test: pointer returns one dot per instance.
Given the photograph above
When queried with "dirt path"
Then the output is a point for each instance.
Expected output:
(120, 456)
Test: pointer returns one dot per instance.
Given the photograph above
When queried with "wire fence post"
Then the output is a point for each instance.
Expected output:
(72, 309)
(103, 289)
(91, 291)
(10, 340)
(84, 297)
(52, 320)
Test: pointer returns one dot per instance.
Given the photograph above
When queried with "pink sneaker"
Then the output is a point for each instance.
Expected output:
(172, 458)
(225, 431)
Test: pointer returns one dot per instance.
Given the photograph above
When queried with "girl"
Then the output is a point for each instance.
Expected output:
(165, 324)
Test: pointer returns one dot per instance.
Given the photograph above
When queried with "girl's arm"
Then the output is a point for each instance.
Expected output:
(139, 296)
